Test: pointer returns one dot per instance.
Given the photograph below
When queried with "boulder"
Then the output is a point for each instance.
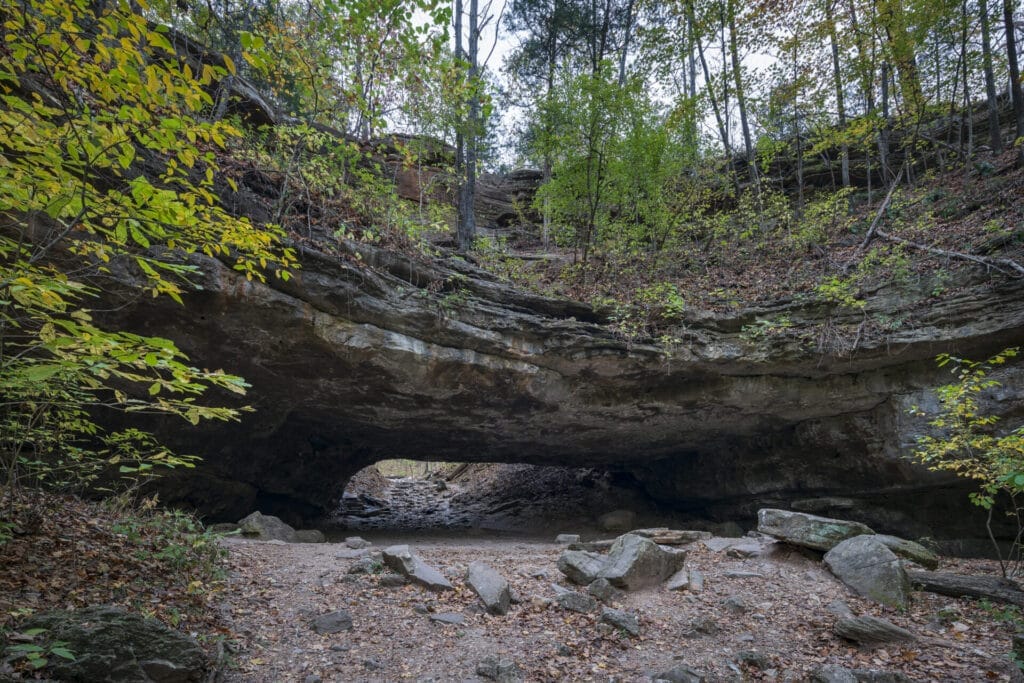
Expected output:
(332, 622)
(490, 586)
(909, 550)
(617, 520)
(580, 566)
(679, 581)
(871, 570)
(266, 528)
(621, 620)
(402, 560)
(112, 645)
(636, 562)
(809, 531)
(357, 543)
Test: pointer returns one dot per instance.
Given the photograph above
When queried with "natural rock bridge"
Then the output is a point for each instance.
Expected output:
(356, 360)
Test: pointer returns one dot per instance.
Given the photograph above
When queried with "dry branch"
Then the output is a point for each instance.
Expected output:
(960, 586)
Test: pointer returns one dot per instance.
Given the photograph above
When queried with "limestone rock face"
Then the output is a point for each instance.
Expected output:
(353, 360)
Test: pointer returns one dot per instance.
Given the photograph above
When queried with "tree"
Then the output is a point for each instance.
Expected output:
(1016, 88)
(110, 166)
(967, 446)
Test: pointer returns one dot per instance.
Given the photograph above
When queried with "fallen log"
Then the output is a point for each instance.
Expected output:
(961, 586)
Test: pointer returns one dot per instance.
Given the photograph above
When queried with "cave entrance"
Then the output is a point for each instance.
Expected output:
(495, 498)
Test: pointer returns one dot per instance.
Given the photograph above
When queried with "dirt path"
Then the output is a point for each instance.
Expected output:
(773, 609)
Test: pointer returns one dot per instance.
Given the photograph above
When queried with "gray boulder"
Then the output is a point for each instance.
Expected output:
(832, 674)
(809, 531)
(357, 543)
(621, 620)
(909, 550)
(112, 645)
(490, 586)
(332, 622)
(566, 539)
(402, 560)
(266, 528)
(580, 567)
(636, 562)
(871, 570)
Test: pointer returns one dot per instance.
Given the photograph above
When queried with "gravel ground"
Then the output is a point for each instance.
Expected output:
(276, 590)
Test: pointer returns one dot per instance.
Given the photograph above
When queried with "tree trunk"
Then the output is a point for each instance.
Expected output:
(1016, 95)
(468, 227)
(838, 83)
(460, 139)
(740, 98)
(995, 136)
(625, 43)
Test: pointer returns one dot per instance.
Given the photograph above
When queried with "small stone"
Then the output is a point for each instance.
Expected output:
(745, 637)
(603, 590)
(565, 539)
(372, 664)
(680, 673)
(580, 567)
(420, 609)
(679, 581)
(740, 574)
(392, 580)
(734, 604)
(754, 659)
(340, 648)
(742, 551)
(349, 554)
(576, 602)
(704, 626)
(450, 618)
(622, 620)
(696, 580)
(357, 543)
(313, 678)
(499, 669)
(365, 565)
(332, 622)
(833, 674)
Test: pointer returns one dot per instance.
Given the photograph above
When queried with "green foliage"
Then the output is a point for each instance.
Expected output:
(91, 99)
(763, 328)
(38, 655)
(967, 443)
(178, 541)
(840, 291)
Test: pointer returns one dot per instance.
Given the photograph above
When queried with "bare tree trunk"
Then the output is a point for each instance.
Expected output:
(840, 99)
(741, 100)
(460, 139)
(625, 43)
(995, 136)
(1016, 95)
(468, 227)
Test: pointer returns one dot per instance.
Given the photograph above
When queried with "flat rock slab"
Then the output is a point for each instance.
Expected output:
(566, 539)
(490, 586)
(575, 601)
(666, 536)
(402, 560)
(871, 570)
(449, 618)
(636, 562)
(809, 531)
